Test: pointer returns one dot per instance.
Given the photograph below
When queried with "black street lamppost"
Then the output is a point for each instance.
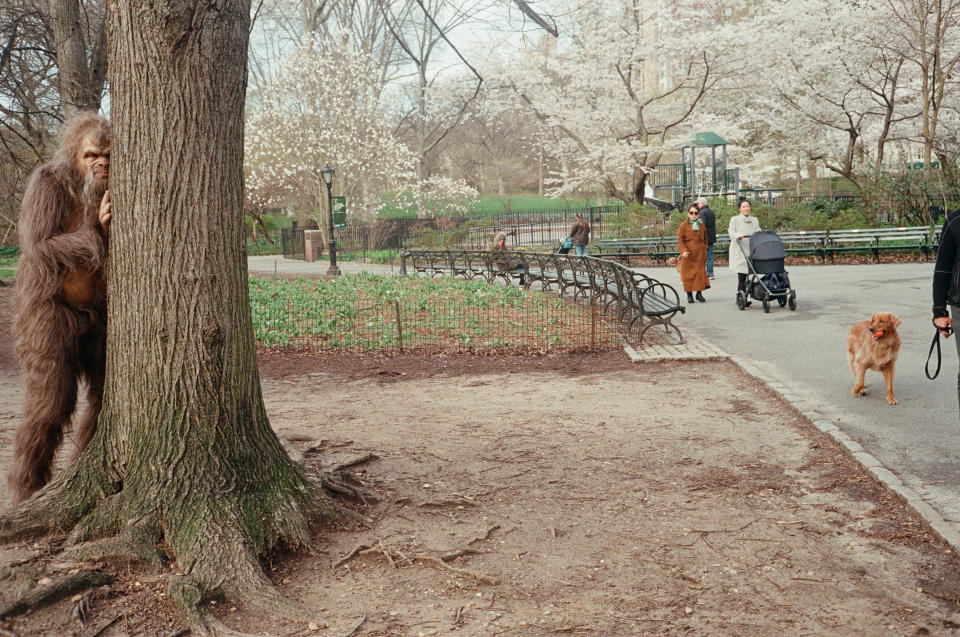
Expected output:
(327, 174)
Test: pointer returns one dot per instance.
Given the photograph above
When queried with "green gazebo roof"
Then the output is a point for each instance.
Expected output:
(704, 138)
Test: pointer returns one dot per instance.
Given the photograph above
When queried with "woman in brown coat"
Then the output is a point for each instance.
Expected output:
(692, 244)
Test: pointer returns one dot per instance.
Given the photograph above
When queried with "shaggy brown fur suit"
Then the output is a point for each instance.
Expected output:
(61, 307)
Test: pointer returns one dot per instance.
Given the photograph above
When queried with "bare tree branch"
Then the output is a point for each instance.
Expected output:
(533, 15)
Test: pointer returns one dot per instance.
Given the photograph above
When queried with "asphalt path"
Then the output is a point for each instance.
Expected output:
(919, 439)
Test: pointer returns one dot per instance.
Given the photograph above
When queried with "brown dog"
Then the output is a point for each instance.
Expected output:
(874, 344)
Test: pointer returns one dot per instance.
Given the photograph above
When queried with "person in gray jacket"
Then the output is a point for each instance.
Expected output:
(742, 227)
(710, 221)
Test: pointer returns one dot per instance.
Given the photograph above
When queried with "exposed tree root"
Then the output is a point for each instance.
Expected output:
(292, 450)
(135, 545)
(394, 557)
(260, 596)
(353, 631)
(217, 529)
(104, 628)
(338, 482)
(67, 499)
(185, 592)
(355, 461)
(103, 521)
(40, 596)
(119, 551)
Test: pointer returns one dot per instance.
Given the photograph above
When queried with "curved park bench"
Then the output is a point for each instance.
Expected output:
(637, 301)
(877, 240)
(657, 248)
(821, 243)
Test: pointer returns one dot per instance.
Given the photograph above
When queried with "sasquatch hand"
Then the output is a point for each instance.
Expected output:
(103, 214)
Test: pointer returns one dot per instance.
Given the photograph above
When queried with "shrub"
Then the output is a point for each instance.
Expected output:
(634, 221)
(911, 197)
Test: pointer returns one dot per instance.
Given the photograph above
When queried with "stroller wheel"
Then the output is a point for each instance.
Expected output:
(741, 300)
(793, 302)
(766, 305)
(782, 300)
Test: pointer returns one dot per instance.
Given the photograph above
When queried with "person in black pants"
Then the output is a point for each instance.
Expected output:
(946, 280)
(710, 221)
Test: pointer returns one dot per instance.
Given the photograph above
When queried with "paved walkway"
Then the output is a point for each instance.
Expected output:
(912, 448)
(267, 265)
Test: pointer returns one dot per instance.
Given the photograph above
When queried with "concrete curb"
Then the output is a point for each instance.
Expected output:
(698, 349)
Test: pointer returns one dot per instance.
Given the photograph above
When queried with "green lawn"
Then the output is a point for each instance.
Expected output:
(8, 261)
(493, 204)
(360, 312)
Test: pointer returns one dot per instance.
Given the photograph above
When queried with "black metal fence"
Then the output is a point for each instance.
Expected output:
(773, 198)
(426, 321)
(636, 301)
(294, 247)
(527, 228)
(541, 228)
(792, 200)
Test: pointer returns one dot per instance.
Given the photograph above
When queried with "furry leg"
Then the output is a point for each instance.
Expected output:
(93, 355)
(51, 395)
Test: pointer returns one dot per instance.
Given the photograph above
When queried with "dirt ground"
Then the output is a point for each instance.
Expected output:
(574, 495)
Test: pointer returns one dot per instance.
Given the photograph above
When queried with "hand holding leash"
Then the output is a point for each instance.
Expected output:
(944, 326)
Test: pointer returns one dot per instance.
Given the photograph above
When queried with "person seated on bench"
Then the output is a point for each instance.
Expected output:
(503, 262)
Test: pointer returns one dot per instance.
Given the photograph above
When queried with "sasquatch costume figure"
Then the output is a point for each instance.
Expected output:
(61, 303)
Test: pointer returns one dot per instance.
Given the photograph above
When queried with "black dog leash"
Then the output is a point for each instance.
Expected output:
(936, 345)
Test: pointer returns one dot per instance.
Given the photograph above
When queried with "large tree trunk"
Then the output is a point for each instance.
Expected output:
(183, 450)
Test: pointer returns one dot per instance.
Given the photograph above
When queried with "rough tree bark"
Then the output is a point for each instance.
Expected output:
(184, 450)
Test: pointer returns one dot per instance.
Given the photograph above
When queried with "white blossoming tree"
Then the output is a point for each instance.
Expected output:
(841, 84)
(323, 110)
(621, 90)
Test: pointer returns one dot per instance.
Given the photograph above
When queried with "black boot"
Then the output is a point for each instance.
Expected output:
(689, 297)
(700, 297)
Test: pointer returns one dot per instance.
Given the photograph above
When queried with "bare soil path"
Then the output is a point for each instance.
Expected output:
(576, 495)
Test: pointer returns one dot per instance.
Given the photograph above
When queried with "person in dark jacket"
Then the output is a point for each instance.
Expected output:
(580, 233)
(946, 280)
(708, 219)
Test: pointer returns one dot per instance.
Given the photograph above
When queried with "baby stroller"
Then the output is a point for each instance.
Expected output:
(766, 278)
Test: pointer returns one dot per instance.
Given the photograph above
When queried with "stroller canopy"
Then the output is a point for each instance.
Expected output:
(766, 245)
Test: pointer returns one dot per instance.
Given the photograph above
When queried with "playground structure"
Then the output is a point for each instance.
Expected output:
(678, 183)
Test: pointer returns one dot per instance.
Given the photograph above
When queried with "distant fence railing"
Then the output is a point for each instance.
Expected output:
(771, 198)
(526, 227)
(541, 228)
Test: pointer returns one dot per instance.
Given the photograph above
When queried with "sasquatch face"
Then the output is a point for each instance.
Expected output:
(93, 161)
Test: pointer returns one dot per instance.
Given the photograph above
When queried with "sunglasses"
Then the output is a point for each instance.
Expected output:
(692, 212)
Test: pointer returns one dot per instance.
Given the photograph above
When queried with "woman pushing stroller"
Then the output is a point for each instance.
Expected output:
(742, 227)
